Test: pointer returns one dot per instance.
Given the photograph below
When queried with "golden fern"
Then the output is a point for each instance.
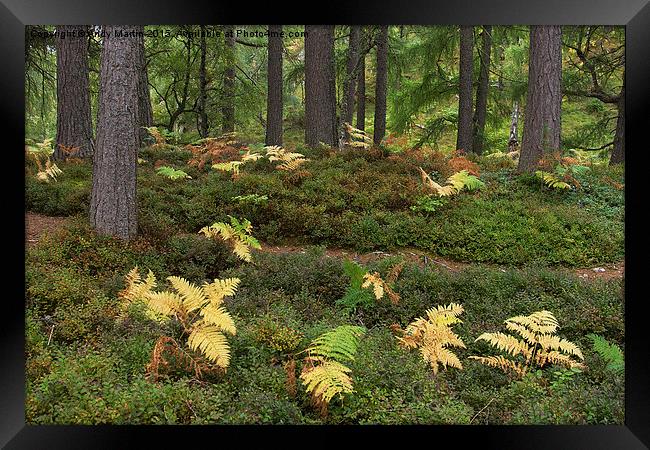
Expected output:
(358, 138)
(379, 287)
(538, 345)
(434, 335)
(551, 180)
(237, 233)
(230, 166)
(207, 329)
(455, 183)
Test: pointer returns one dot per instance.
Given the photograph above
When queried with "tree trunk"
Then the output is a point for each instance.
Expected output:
(480, 111)
(466, 69)
(347, 110)
(542, 124)
(361, 94)
(113, 206)
(203, 125)
(144, 100)
(618, 152)
(228, 109)
(73, 120)
(274, 99)
(380, 86)
(320, 93)
(513, 139)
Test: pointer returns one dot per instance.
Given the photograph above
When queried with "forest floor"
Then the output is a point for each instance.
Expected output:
(37, 225)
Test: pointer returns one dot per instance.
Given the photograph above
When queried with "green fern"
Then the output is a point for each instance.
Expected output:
(171, 173)
(324, 374)
(355, 295)
(339, 344)
(611, 353)
(464, 180)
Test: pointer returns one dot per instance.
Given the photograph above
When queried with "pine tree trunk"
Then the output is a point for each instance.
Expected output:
(361, 95)
(228, 109)
(466, 69)
(542, 124)
(380, 86)
(203, 125)
(351, 77)
(113, 205)
(320, 93)
(618, 152)
(146, 113)
(480, 111)
(73, 120)
(274, 99)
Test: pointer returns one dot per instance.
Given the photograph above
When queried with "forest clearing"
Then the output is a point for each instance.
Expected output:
(325, 225)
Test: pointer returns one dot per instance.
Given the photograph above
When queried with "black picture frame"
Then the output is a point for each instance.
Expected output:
(633, 14)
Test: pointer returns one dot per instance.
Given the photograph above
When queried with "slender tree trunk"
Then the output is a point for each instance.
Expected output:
(347, 110)
(380, 86)
(320, 93)
(480, 111)
(113, 206)
(466, 69)
(274, 99)
(513, 139)
(203, 125)
(73, 120)
(144, 99)
(228, 109)
(544, 99)
(361, 95)
(618, 152)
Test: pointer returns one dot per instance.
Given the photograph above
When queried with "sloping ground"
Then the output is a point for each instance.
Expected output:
(37, 225)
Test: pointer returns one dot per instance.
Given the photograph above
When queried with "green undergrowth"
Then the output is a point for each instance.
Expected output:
(86, 367)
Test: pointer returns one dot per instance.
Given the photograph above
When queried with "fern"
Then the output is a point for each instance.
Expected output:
(358, 138)
(230, 166)
(238, 233)
(434, 335)
(611, 353)
(40, 153)
(455, 183)
(537, 345)
(171, 173)
(551, 180)
(290, 161)
(324, 374)
(206, 330)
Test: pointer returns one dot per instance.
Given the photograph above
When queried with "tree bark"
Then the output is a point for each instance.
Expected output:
(361, 95)
(320, 93)
(542, 124)
(380, 86)
(618, 152)
(466, 69)
(351, 75)
(203, 125)
(274, 99)
(513, 139)
(73, 119)
(113, 205)
(480, 112)
(228, 109)
(144, 99)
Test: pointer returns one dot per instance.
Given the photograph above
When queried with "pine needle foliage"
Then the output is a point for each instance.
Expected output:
(536, 346)
(237, 233)
(324, 374)
(199, 309)
(433, 336)
(455, 183)
(611, 353)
